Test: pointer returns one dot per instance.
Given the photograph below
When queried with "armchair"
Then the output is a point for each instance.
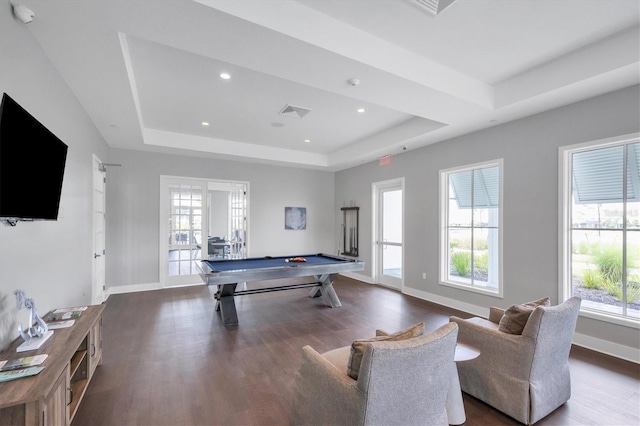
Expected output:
(526, 376)
(400, 382)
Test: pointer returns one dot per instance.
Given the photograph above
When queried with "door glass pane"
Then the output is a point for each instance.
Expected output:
(185, 228)
(238, 222)
(390, 246)
(392, 261)
(392, 216)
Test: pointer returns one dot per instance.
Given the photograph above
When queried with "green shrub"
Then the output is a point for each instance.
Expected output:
(481, 244)
(615, 289)
(481, 261)
(583, 248)
(461, 262)
(633, 256)
(633, 292)
(633, 288)
(609, 263)
(591, 278)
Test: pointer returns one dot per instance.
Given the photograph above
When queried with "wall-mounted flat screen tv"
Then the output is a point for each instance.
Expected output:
(32, 161)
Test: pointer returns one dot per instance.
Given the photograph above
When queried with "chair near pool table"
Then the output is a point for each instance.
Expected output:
(402, 382)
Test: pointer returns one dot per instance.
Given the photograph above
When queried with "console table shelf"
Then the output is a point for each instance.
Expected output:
(53, 396)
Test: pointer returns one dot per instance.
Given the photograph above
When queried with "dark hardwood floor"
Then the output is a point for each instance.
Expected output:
(168, 360)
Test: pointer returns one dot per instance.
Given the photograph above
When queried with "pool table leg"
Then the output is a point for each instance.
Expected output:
(226, 304)
(326, 290)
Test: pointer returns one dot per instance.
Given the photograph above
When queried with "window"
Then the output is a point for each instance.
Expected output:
(600, 247)
(470, 236)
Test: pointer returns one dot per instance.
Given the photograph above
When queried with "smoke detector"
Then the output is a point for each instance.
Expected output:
(22, 12)
(294, 111)
(353, 82)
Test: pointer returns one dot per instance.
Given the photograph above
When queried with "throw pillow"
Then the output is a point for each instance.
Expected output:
(516, 316)
(358, 346)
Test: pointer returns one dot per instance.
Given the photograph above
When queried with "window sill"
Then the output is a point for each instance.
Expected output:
(493, 292)
(599, 315)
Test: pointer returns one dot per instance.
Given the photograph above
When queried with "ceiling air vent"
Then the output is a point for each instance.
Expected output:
(434, 6)
(294, 111)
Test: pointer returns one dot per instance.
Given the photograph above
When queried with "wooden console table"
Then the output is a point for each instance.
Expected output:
(52, 397)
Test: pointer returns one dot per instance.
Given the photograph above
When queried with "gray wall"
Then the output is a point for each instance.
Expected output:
(50, 260)
(529, 148)
(133, 201)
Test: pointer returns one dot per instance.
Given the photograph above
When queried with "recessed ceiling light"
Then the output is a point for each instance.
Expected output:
(205, 124)
(361, 110)
(225, 76)
(307, 140)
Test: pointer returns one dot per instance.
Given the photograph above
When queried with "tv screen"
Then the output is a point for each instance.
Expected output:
(32, 161)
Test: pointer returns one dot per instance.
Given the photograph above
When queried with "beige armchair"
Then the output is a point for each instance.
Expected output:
(402, 382)
(526, 376)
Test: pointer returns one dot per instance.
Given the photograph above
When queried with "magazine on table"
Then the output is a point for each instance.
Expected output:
(64, 314)
(60, 324)
(27, 361)
(6, 376)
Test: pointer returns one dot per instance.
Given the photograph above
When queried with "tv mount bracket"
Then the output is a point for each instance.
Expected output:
(103, 166)
(13, 221)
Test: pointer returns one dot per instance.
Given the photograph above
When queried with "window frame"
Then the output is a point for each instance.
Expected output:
(565, 171)
(443, 251)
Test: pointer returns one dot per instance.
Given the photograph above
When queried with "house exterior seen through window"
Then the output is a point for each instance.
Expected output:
(601, 259)
(471, 218)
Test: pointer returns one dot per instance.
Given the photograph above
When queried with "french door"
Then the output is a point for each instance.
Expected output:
(388, 199)
(199, 219)
(184, 207)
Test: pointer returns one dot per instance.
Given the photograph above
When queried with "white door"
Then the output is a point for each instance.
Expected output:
(99, 252)
(238, 215)
(389, 232)
(183, 207)
(199, 219)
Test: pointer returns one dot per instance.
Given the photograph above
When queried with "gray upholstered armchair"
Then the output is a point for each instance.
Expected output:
(399, 382)
(526, 376)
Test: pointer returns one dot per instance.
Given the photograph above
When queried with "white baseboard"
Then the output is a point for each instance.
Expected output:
(604, 346)
(359, 277)
(132, 288)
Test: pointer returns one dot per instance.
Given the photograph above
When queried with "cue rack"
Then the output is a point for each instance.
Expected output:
(350, 230)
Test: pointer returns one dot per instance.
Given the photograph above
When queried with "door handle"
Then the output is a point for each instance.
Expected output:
(96, 255)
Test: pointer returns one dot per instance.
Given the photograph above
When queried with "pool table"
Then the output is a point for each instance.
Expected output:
(226, 274)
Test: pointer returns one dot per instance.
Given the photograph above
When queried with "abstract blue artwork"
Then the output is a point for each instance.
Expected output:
(295, 218)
